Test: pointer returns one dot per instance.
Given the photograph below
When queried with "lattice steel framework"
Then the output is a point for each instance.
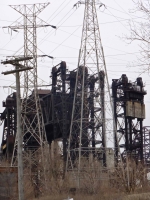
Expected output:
(9, 116)
(129, 112)
(146, 144)
(91, 128)
(32, 121)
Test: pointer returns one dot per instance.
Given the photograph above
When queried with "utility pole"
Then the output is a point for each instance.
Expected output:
(18, 68)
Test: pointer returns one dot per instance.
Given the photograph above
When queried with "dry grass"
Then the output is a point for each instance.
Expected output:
(80, 197)
(143, 196)
(96, 183)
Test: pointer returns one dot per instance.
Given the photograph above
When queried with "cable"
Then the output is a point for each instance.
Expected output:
(64, 40)
(99, 23)
(6, 49)
(103, 45)
(5, 20)
(57, 10)
(71, 34)
(56, 25)
(59, 44)
(9, 41)
(5, 80)
(61, 18)
(124, 11)
(46, 66)
(51, 15)
(66, 32)
(118, 20)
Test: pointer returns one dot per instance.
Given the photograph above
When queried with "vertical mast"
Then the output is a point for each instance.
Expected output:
(32, 121)
(92, 118)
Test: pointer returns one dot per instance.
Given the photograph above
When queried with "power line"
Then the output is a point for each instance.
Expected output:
(64, 41)
(6, 80)
(60, 44)
(50, 31)
(59, 11)
(118, 20)
(60, 20)
(66, 32)
(102, 23)
(55, 12)
(57, 26)
(124, 11)
(7, 50)
(5, 20)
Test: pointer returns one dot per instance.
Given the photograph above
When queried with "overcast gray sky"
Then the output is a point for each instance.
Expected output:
(64, 43)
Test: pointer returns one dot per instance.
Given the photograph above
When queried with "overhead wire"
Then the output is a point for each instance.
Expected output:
(63, 41)
(78, 36)
(6, 80)
(5, 20)
(57, 27)
(55, 12)
(117, 19)
(59, 21)
(49, 18)
(72, 34)
(124, 11)
(6, 50)
(65, 31)
(101, 23)
(59, 44)
(8, 41)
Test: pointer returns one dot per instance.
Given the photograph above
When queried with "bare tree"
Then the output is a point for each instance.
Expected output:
(140, 31)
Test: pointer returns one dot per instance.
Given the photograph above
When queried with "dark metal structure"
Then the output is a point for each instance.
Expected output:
(56, 107)
(9, 117)
(146, 144)
(87, 110)
(129, 112)
(57, 104)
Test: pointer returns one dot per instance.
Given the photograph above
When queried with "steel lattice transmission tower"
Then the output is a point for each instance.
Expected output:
(91, 128)
(34, 134)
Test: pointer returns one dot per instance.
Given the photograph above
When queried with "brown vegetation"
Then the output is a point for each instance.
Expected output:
(97, 183)
(45, 181)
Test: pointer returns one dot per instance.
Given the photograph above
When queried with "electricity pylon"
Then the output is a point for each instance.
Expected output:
(91, 129)
(34, 134)
(33, 129)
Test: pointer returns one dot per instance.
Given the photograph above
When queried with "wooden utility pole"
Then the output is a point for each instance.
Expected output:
(18, 68)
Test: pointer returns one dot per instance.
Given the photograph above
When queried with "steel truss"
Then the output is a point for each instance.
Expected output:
(32, 120)
(57, 106)
(33, 129)
(9, 118)
(146, 144)
(91, 129)
(129, 112)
